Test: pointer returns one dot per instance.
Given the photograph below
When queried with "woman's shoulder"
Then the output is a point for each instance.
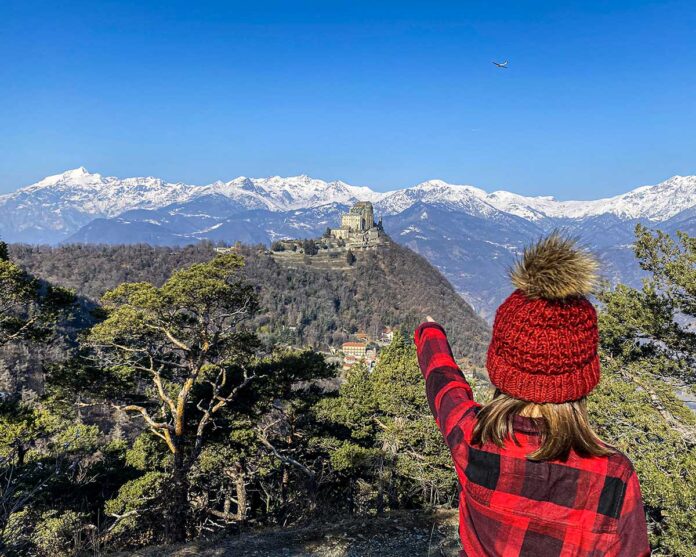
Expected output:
(619, 464)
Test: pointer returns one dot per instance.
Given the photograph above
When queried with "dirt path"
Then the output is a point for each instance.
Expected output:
(402, 534)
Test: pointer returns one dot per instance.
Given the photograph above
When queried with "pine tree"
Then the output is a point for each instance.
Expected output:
(406, 426)
(310, 247)
(212, 402)
(392, 440)
(647, 352)
(187, 340)
(29, 309)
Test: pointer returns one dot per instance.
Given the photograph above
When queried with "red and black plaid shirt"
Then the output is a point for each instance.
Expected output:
(511, 506)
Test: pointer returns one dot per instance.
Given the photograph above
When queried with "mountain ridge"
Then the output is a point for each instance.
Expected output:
(278, 193)
(470, 235)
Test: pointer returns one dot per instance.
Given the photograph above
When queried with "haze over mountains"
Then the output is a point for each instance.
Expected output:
(472, 236)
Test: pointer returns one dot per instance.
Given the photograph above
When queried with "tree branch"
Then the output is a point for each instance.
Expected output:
(176, 342)
(152, 423)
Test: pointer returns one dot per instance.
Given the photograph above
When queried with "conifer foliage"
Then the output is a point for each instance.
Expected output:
(648, 353)
(29, 308)
(177, 413)
(187, 342)
(389, 439)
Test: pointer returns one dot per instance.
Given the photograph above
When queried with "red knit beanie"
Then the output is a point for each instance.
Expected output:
(544, 345)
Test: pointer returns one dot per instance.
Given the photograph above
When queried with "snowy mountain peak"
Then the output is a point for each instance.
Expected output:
(75, 178)
(64, 202)
(447, 189)
(656, 203)
(277, 193)
(432, 185)
(457, 197)
(76, 172)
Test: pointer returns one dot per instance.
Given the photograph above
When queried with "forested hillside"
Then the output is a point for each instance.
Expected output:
(180, 413)
(91, 270)
(301, 305)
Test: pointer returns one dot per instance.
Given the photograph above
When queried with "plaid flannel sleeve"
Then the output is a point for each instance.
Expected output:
(632, 528)
(449, 395)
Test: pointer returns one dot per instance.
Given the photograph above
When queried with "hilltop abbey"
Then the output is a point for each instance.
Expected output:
(358, 232)
(358, 227)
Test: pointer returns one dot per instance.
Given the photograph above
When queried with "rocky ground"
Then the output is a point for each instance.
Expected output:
(399, 534)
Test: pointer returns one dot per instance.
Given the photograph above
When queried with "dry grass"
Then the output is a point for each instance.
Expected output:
(398, 534)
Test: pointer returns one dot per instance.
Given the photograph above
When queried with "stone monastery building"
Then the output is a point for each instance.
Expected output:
(358, 227)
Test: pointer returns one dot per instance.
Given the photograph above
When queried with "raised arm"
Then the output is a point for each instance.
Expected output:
(449, 395)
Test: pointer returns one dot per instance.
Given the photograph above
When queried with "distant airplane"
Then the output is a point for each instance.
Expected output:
(504, 65)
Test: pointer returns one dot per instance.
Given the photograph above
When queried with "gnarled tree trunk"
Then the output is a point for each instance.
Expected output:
(178, 505)
(240, 488)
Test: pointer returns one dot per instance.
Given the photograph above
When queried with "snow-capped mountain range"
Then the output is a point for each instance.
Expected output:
(460, 228)
(110, 196)
(100, 196)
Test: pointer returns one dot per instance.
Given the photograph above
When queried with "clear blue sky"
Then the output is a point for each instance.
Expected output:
(600, 96)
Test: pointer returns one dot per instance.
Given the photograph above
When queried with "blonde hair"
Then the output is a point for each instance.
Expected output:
(563, 427)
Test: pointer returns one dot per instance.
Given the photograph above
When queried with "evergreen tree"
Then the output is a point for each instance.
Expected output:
(32, 457)
(186, 339)
(55, 474)
(29, 308)
(310, 247)
(646, 344)
(390, 439)
(208, 398)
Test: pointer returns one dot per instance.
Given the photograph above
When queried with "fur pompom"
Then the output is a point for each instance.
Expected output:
(555, 268)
